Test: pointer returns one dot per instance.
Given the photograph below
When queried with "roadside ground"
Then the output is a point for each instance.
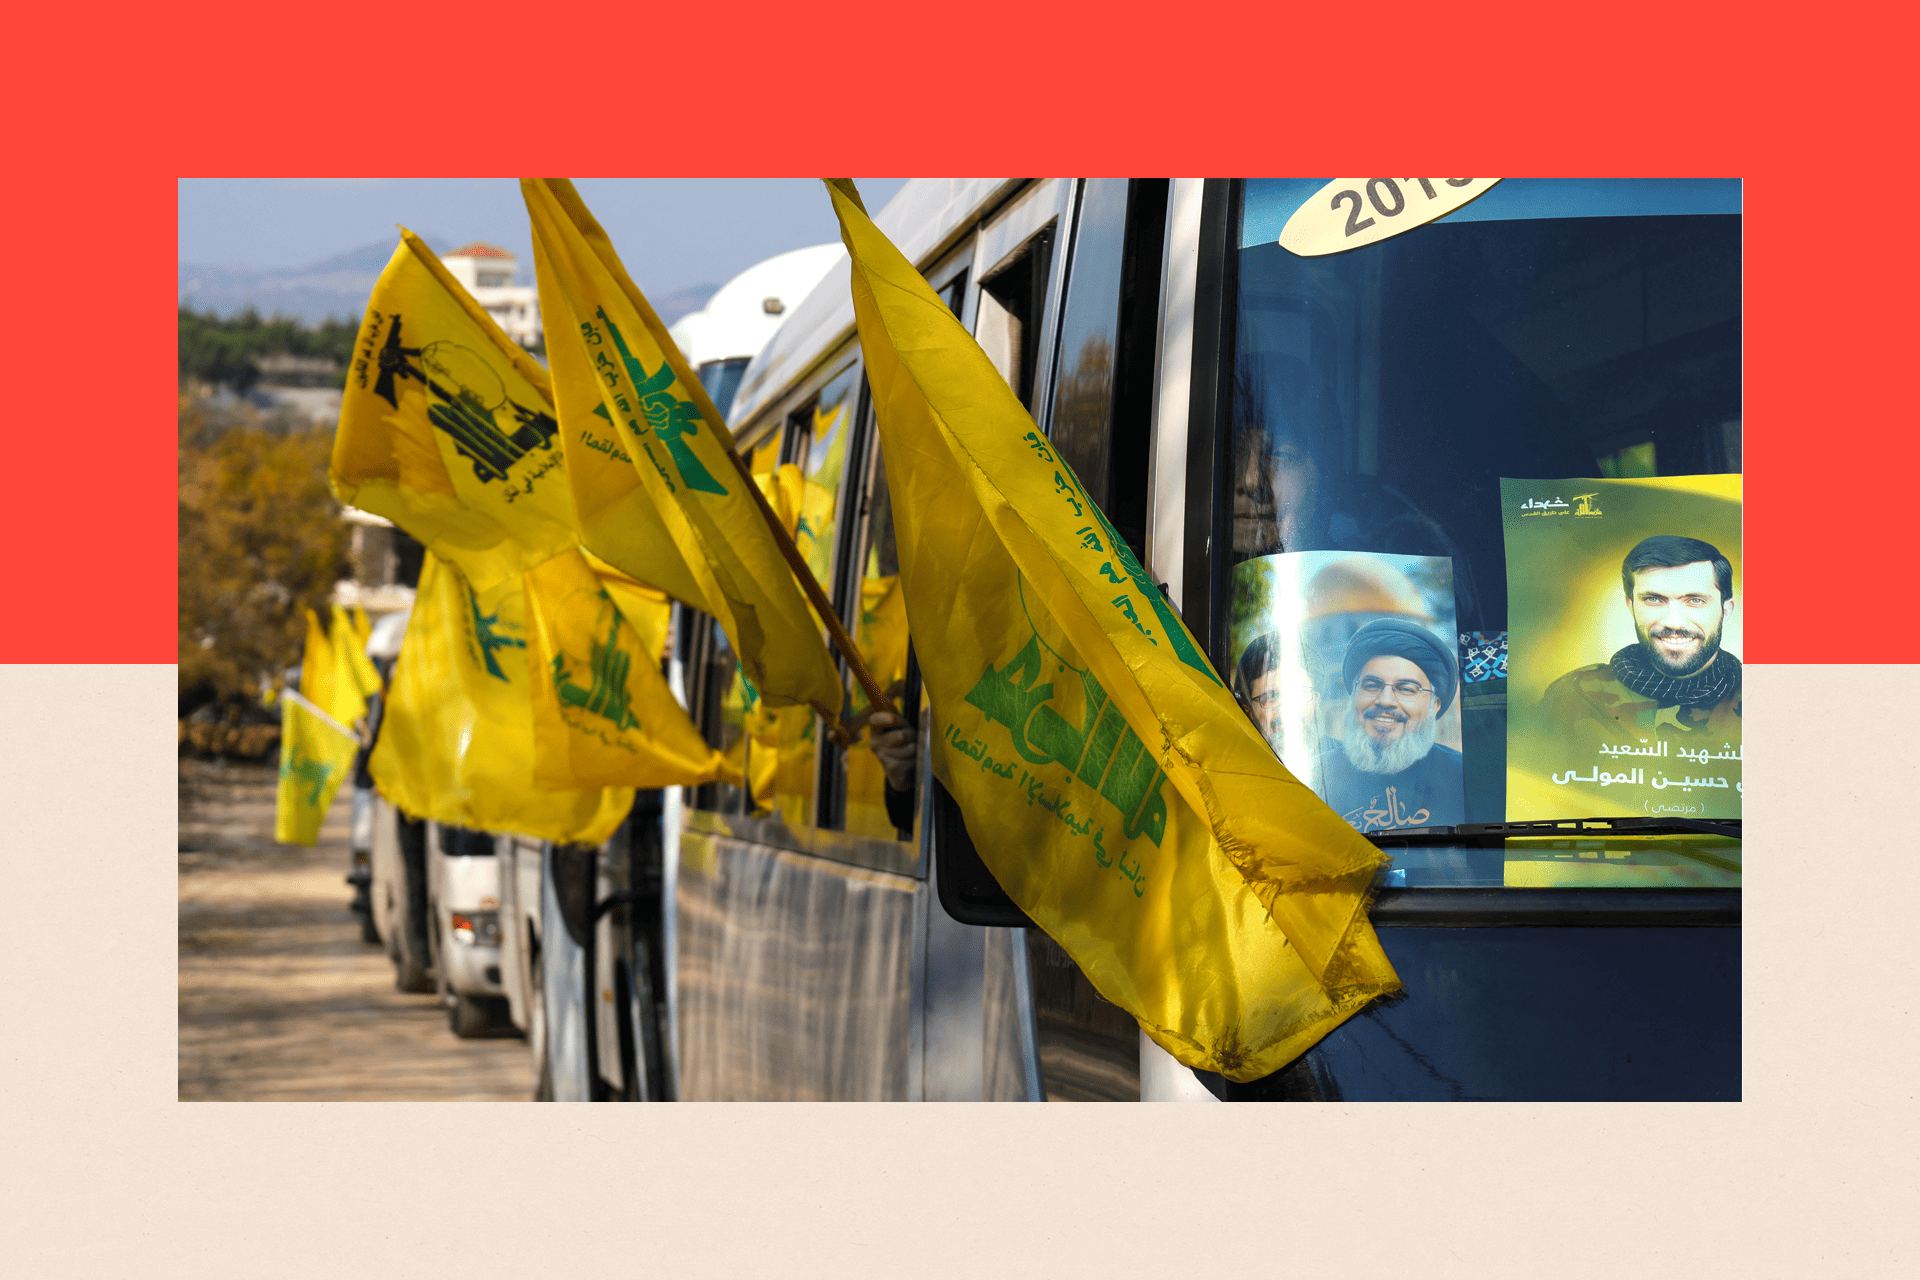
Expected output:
(280, 1000)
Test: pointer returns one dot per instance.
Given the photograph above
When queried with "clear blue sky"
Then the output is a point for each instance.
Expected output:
(671, 232)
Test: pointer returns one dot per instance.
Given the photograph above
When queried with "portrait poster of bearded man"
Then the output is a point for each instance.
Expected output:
(1624, 693)
(1347, 663)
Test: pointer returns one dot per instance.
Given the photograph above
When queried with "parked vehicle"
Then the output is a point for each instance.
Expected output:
(463, 928)
(399, 894)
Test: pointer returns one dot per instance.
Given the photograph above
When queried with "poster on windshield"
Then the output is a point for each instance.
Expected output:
(1348, 664)
(1623, 667)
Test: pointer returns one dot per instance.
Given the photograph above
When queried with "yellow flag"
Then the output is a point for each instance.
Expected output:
(317, 745)
(883, 643)
(655, 487)
(355, 678)
(1107, 776)
(456, 744)
(446, 426)
(602, 712)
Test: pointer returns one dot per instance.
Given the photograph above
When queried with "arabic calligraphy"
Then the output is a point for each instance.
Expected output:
(1103, 752)
(609, 447)
(1123, 568)
(525, 487)
(1698, 755)
(1375, 815)
(1546, 507)
(977, 750)
(1056, 803)
(1637, 777)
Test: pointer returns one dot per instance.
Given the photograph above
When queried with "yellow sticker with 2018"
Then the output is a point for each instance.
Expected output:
(1349, 213)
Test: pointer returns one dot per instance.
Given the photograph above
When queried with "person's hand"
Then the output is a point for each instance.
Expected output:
(896, 746)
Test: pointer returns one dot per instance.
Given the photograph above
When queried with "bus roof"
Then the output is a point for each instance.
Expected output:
(736, 321)
(920, 219)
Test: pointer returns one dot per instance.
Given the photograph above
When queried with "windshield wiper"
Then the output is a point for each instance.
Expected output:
(1478, 832)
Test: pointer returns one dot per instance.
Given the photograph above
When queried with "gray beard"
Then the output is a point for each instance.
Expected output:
(1368, 756)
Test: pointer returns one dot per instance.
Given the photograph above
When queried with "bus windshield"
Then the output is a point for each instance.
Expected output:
(1379, 397)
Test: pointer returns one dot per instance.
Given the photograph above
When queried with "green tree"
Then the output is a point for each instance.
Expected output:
(219, 351)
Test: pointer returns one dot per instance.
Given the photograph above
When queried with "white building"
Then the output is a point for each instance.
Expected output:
(487, 272)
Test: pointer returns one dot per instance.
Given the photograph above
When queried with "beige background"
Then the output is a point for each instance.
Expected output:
(106, 1175)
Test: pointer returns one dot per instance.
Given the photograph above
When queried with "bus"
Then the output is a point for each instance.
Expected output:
(1238, 409)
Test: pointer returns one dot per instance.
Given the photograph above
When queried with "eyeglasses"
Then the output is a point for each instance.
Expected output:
(1266, 698)
(1403, 689)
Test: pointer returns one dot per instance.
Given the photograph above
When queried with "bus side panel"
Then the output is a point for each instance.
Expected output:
(794, 975)
(1607, 1014)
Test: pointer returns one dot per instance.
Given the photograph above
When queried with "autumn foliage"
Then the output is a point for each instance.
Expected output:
(261, 542)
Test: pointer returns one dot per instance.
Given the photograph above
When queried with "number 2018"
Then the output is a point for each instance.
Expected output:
(1387, 199)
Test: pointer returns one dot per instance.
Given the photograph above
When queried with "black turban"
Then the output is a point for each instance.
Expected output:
(1397, 638)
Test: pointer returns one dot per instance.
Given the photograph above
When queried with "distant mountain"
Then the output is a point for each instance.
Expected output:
(332, 288)
(337, 287)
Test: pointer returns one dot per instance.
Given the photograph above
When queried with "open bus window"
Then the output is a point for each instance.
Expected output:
(1012, 300)
(1378, 396)
(723, 700)
(816, 445)
(879, 628)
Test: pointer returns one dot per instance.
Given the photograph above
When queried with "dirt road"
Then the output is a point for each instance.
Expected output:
(280, 1000)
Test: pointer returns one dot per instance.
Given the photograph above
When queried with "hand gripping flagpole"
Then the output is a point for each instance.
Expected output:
(876, 698)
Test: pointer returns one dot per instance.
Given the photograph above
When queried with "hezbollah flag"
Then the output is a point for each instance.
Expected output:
(1107, 776)
(597, 637)
(447, 426)
(656, 486)
(317, 745)
(353, 671)
(457, 743)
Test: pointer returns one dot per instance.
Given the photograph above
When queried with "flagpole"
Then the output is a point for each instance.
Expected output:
(293, 696)
(602, 246)
(877, 699)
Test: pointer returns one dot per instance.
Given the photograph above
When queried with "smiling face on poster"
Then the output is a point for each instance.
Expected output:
(1625, 691)
(1347, 663)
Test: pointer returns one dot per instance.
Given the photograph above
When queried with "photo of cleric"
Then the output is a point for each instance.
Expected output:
(1386, 769)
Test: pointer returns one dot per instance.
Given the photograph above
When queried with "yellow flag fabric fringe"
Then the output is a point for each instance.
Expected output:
(1105, 773)
(649, 461)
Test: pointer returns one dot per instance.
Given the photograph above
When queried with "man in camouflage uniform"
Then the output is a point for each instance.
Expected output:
(1675, 683)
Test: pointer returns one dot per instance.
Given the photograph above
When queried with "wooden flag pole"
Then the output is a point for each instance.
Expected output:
(877, 699)
(602, 246)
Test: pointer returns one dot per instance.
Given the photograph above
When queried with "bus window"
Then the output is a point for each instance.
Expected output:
(1012, 303)
(1376, 397)
(879, 626)
(721, 378)
(1102, 406)
(816, 443)
(721, 702)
